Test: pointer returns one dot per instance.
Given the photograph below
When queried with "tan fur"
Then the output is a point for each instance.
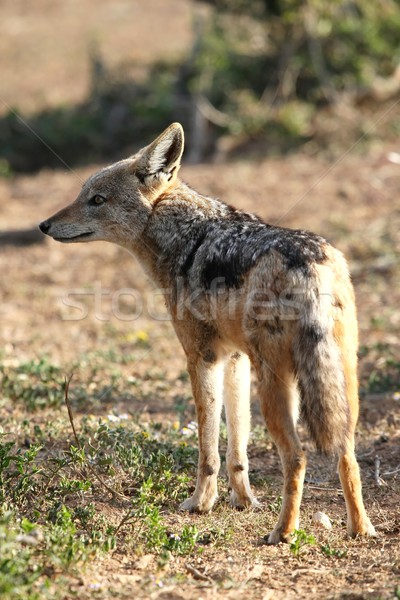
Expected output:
(294, 321)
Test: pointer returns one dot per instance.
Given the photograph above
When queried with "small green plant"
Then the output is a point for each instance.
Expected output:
(19, 570)
(332, 552)
(55, 526)
(37, 384)
(143, 458)
(300, 539)
(276, 505)
(18, 472)
(30, 554)
(64, 547)
(85, 514)
(150, 533)
(215, 535)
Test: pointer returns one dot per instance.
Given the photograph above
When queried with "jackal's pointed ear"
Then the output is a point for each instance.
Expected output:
(158, 164)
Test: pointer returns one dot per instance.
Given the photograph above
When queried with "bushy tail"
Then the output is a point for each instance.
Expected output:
(322, 386)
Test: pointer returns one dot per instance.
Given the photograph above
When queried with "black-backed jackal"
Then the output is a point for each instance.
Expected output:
(240, 293)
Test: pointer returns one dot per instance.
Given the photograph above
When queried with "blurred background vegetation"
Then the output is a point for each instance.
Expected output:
(262, 77)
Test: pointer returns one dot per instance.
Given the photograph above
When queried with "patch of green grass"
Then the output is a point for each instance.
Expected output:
(31, 554)
(217, 534)
(140, 457)
(300, 540)
(36, 383)
(65, 548)
(19, 570)
(18, 472)
(51, 487)
(330, 552)
(145, 529)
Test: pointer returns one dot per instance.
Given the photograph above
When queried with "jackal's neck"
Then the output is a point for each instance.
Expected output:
(176, 226)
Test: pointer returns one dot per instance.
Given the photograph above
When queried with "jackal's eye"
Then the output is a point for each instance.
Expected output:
(96, 200)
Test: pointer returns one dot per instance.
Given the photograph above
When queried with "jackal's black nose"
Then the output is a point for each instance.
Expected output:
(44, 226)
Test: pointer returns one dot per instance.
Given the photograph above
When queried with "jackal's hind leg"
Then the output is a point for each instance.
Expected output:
(280, 407)
(207, 384)
(237, 410)
(358, 522)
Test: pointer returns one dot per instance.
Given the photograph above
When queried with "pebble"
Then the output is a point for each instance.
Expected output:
(322, 520)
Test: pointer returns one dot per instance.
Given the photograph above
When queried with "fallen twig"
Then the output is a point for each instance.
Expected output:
(394, 472)
(79, 445)
(307, 570)
(378, 479)
(324, 489)
(125, 519)
(197, 574)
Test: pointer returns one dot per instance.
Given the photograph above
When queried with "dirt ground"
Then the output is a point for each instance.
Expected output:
(71, 301)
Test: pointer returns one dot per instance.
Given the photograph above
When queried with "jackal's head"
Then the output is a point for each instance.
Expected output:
(115, 203)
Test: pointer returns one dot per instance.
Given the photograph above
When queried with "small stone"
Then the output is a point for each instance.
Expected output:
(144, 561)
(27, 540)
(322, 520)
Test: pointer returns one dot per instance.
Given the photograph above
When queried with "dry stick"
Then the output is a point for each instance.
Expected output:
(307, 570)
(71, 420)
(324, 489)
(197, 574)
(125, 519)
(394, 472)
(378, 479)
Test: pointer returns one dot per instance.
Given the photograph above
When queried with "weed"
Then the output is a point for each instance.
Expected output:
(183, 376)
(36, 383)
(276, 505)
(215, 535)
(85, 514)
(150, 532)
(18, 472)
(332, 552)
(73, 486)
(64, 547)
(51, 491)
(143, 459)
(19, 570)
(300, 539)
(30, 554)
(181, 404)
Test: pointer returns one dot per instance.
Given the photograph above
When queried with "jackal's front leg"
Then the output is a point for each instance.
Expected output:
(237, 410)
(206, 375)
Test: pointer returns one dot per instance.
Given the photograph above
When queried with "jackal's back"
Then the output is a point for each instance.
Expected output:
(203, 239)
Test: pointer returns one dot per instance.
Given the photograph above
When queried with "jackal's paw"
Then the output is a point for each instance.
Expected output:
(194, 504)
(277, 536)
(364, 529)
(241, 502)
